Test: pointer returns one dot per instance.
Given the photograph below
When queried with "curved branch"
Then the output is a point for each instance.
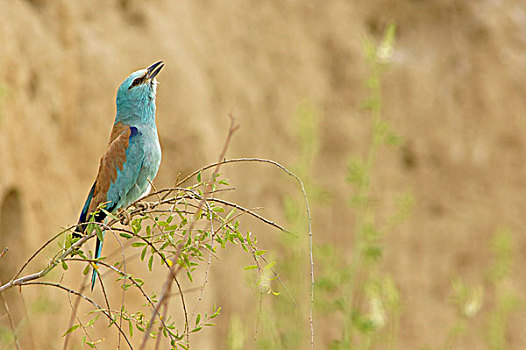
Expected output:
(52, 264)
(74, 292)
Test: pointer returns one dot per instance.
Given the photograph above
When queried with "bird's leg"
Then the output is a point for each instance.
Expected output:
(126, 217)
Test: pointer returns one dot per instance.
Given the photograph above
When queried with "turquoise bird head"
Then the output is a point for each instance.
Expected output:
(136, 96)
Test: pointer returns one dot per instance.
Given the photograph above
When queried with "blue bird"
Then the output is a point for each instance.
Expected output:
(133, 155)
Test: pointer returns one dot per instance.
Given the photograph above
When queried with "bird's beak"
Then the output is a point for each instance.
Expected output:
(154, 69)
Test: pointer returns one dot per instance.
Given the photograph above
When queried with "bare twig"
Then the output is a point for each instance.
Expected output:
(74, 309)
(202, 202)
(26, 315)
(158, 342)
(75, 316)
(123, 256)
(39, 250)
(71, 291)
(248, 211)
(54, 262)
(231, 130)
(3, 252)
(11, 322)
(174, 269)
(168, 264)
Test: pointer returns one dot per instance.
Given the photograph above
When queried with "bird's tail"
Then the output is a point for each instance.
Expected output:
(81, 228)
(98, 251)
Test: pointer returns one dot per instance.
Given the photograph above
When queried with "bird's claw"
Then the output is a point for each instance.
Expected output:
(143, 206)
(126, 218)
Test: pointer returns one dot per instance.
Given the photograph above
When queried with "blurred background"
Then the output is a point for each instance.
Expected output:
(297, 77)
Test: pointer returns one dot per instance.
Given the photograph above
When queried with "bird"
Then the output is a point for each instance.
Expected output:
(132, 158)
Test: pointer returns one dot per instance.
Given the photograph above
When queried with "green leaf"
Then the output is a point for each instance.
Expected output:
(86, 270)
(67, 243)
(250, 267)
(197, 319)
(136, 225)
(229, 215)
(125, 235)
(196, 329)
(92, 321)
(150, 263)
(139, 281)
(130, 328)
(99, 233)
(109, 214)
(270, 265)
(216, 313)
(64, 265)
(71, 329)
(199, 177)
(138, 244)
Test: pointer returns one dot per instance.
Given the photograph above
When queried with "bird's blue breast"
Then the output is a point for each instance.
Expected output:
(143, 158)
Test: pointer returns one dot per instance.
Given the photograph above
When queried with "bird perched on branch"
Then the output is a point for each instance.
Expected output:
(133, 155)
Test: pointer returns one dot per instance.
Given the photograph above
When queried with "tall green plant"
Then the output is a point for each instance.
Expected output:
(282, 319)
(505, 301)
(356, 289)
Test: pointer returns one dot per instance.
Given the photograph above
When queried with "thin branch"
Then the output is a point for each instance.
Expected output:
(11, 322)
(54, 262)
(38, 251)
(231, 130)
(26, 314)
(165, 261)
(122, 274)
(168, 285)
(248, 211)
(71, 291)
(74, 309)
(3, 252)
(158, 342)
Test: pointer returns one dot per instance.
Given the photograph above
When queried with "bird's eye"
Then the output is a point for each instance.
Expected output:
(135, 82)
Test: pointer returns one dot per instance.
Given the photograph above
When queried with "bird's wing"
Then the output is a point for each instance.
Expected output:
(118, 170)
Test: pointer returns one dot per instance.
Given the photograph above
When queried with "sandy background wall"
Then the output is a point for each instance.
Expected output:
(454, 92)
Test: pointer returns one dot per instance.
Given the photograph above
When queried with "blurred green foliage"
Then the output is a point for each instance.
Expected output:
(354, 293)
